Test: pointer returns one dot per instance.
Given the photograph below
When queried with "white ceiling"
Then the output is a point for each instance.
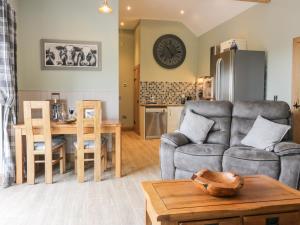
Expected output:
(200, 15)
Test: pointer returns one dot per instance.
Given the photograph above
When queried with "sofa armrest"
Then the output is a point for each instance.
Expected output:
(287, 148)
(175, 139)
(290, 170)
(169, 143)
(167, 165)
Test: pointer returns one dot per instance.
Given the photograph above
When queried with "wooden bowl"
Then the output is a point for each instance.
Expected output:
(218, 184)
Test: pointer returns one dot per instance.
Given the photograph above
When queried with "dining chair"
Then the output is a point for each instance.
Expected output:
(40, 141)
(89, 141)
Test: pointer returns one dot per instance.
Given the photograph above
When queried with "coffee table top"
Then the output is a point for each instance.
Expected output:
(181, 199)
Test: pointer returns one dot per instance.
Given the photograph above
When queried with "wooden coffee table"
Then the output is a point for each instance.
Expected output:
(262, 201)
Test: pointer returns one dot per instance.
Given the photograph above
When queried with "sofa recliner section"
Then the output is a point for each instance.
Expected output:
(244, 115)
(219, 135)
(223, 151)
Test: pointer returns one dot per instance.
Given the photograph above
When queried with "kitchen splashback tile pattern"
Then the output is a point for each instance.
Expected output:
(166, 92)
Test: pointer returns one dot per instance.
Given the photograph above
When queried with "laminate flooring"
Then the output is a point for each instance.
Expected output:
(66, 202)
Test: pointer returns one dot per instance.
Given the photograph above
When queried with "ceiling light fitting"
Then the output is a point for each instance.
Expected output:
(105, 8)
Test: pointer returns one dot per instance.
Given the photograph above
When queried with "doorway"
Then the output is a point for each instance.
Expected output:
(136, 100)
(296, 90)
(126, 54)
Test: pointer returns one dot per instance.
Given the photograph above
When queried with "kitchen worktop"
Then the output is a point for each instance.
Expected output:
(160, 105)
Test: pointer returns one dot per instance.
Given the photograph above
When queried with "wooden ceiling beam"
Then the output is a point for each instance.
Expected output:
(258, 1)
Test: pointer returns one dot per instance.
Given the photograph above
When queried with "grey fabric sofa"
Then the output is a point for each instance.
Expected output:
(223, 151)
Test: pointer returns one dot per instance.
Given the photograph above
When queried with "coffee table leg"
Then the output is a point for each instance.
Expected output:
(148, 221)
(147, 217)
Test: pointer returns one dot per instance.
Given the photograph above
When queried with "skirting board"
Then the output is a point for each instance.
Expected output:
(127, 128)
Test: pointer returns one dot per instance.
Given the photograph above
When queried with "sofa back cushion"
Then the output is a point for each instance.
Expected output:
(218, 111)
(245, 113)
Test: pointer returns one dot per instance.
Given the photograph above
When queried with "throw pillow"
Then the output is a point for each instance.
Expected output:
(265, 134)
(195, 127)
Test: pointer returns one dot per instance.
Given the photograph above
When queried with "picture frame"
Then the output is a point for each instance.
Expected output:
(70, 55)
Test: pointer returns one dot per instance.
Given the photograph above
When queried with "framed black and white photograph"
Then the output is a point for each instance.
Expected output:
(70, 55)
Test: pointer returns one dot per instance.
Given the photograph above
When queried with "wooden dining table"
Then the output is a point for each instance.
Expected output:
(108, 127)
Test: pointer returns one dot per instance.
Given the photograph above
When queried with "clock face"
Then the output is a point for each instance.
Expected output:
(169, 51)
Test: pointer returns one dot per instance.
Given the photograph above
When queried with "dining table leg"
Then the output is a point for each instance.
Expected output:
(19, 156)
(118, 152)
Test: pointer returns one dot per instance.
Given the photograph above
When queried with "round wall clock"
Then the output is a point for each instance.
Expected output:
(169, 51)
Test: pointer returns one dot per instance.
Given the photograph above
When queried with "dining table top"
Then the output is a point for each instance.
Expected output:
(105, 123)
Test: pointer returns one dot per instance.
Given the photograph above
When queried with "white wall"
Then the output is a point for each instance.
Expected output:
(69, 20)
(150, 71)
(269, 27)
(126, 77)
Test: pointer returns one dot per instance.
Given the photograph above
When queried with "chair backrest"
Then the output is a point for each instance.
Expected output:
(245, 113)
(37, 129)
(89, 118)
(220, 112)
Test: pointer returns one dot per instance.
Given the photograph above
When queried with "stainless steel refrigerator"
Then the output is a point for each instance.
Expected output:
(239, 75)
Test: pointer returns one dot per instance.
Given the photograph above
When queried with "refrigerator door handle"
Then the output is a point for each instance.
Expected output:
(218, 79)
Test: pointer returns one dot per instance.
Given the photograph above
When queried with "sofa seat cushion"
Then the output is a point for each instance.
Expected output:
(194, 157)
(251, 161)
(182, 174)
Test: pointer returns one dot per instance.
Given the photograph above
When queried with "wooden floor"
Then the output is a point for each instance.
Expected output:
(66, 202)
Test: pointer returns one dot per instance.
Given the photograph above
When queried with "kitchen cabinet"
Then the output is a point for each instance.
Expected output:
(174, 113)
(173, 117)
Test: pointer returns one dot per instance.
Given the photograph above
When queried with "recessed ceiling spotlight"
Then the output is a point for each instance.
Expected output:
(181, 12)
(128, 8)
(122, 24)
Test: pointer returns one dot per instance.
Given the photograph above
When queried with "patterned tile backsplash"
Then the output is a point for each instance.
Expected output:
(166, 92)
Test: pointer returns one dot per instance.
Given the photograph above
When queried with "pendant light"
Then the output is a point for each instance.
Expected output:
(105, 8)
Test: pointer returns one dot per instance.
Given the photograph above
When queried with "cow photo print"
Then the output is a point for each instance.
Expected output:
(60, 55)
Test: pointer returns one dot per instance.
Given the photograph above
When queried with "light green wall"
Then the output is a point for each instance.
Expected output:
(126, 46)
(269, 27)
(150, 70)
(67, 20)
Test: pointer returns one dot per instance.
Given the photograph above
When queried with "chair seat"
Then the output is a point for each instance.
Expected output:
(250, 161)
(194, 157)
(56, 143)
(91, 144)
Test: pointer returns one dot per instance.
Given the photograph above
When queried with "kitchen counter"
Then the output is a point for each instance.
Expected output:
(166, 105)
(160, 105)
